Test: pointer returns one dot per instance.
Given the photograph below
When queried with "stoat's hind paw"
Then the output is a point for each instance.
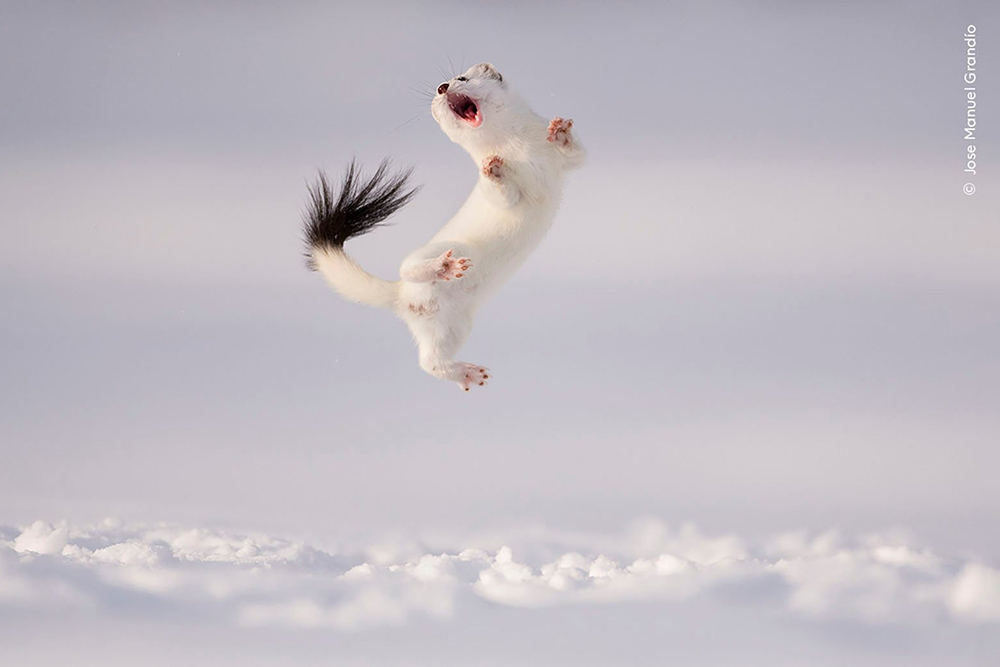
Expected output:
(493, 167)
(472, 375)
(559, 131)
(452, 267)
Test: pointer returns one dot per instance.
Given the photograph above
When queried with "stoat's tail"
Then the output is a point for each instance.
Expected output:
(360, 207)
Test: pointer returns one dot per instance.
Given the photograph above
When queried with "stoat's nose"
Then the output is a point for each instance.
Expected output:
(442, 89)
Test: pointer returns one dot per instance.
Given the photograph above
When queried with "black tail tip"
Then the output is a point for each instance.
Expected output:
(361, 205)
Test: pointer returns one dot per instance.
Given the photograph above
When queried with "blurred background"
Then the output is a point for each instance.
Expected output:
(766, 302)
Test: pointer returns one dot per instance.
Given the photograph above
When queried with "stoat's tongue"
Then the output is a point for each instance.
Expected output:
(465, 108)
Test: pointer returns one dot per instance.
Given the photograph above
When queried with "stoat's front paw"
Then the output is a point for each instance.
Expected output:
(559, 131)
(493, 168)
(452, 267)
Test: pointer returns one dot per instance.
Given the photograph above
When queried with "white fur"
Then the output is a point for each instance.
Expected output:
(497, 227)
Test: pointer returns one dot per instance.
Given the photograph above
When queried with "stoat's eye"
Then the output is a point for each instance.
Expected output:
(460, 78)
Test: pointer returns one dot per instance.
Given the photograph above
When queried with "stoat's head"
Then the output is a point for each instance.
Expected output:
(476, 108)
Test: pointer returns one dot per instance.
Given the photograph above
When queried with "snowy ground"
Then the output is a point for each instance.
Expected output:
(114, 578)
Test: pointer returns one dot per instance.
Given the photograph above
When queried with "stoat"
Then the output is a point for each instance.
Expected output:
(521, 159)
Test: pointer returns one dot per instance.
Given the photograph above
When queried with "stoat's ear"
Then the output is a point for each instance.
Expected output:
(488, 71)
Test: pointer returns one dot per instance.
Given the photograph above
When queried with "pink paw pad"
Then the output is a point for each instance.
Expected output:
(452, 267)
(493, 167)
(473, 376)
(559, 131)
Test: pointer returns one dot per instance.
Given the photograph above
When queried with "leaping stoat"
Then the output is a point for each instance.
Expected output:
(521, 159)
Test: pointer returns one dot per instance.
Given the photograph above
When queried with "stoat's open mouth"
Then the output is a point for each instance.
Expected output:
(465, 108)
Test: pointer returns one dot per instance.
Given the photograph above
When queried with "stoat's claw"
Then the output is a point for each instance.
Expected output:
(452, 267)
(559, 131)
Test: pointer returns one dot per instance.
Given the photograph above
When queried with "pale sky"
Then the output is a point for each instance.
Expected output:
(766, 307)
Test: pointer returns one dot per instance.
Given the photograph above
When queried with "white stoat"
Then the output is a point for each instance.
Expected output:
(521, 159)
